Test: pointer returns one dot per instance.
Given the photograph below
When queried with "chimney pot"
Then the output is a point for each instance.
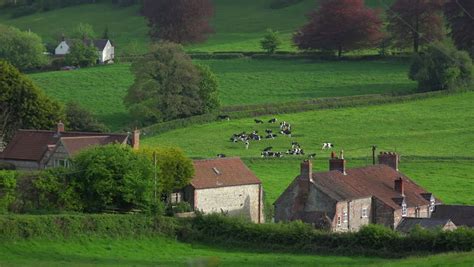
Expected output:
(60, 127)
(336, 164)
(390, 159)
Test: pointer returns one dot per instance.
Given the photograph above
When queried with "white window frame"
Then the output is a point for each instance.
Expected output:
(338, 220)
(61, 163)
(404, 210)
(345, 216)
(365, 213)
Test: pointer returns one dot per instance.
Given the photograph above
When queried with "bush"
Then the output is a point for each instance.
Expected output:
(24, 11)
(277, 4)
(7, 189)
(441, 67)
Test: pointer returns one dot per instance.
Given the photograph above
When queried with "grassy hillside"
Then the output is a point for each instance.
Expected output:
(166, 252)
(431, 128)
(239, 25)
(242, 81)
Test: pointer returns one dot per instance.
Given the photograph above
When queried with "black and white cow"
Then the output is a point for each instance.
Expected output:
(224, 117)
(327, 146)
(258, 121)
(271, 154)
(273, 120)
(286, 132)
(221, 156)
(271, 136)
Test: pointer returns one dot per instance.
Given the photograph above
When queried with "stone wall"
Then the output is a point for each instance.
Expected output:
(243, 201)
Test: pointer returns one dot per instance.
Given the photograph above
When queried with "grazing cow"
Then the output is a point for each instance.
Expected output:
(224, 117)
(295, 151)
(286, 132)
(269, 131)
(327, 146)
(312, 156)
(273, 120)
(268, 149)
(295, 145)
(258, 121)
(221, 155)
(270, 154)
(285, 126)
(271, 136)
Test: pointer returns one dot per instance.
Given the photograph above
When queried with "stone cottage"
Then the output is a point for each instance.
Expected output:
(105, 49)
(225, 185)
(345, 199)
(38, 149)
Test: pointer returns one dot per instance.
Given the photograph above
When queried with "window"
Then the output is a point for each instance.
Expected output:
(338, 220)
(404, 209)
(432, 203)
(61, 163)
(417, 212)
(344, 215)
(175, 198)
(365, 213)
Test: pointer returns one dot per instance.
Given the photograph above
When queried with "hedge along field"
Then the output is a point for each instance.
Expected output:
(241, 82)
(436, 130)
(239, 25)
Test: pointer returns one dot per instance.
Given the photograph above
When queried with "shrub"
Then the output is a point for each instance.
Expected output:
(277, 4)
(441, 67)
(7, 189)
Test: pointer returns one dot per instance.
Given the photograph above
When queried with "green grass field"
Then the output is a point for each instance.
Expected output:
(432, 128)
(239, 25)
(242, 82)
(166, 252)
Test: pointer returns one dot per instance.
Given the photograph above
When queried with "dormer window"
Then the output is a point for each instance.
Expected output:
(404, 209)
(344, 216)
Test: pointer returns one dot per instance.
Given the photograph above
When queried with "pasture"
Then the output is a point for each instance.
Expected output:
(432, 130)
(167, 252)
(239, 25)
(241, 82)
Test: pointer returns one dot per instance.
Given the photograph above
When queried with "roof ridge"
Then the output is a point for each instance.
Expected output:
(82, 137)
(216, 159)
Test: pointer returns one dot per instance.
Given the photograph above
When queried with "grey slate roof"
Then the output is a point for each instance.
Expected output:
(408, 224)
(460, 215)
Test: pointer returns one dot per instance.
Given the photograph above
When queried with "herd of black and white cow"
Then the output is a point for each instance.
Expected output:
(284, 130)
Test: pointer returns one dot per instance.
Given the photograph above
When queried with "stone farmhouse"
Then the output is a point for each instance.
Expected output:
(37, 149)
(104, 47)
(224, 185)
(343, 200)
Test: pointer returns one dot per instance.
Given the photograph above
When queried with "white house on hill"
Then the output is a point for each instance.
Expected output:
(105, 49)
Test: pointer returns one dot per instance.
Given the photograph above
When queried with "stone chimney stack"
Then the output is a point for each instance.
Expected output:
(307, 170)
(60, 128)
(337, 164)
(136, 139)
(399, 186)
(390, 159)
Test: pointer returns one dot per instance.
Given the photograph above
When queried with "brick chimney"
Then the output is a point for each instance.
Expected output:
(136, 139)
(307, 170)
(390, 159)
(60, 128)
(337, 164)
(399, 186)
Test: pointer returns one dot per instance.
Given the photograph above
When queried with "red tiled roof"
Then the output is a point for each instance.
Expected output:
(31, 145)
(75, 144)
(376, 181)
(221, 173)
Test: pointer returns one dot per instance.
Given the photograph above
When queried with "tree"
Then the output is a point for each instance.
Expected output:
(459, 14)
(168, 86)
(80, 119)
(105, 35)
(81, 53)
(441, 67)
(208, 89)
(271, 41)
(83, 31)
(113, 176)
(23, 105)
(174, 169)
(340, 25)
(415, 22)
(179, 21)
(24, 50)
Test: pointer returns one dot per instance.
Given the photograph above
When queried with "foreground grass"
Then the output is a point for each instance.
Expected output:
(242, 81)
(166, 252)
(430, 129)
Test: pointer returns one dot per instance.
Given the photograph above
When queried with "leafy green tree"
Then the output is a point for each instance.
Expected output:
(208, 89)
(24, 50)
(105, 35)
(271, 41)
(113, 176)
(441, 67)
(56, 190)
(7, 189)
(168, 86)
(174, 169)
(80, 119)
(81, 54)
(83, 31)
(23, 105)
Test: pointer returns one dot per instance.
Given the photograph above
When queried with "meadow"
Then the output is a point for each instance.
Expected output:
(241, 82)
(168, 252)
(238, 25)
(430, 135)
